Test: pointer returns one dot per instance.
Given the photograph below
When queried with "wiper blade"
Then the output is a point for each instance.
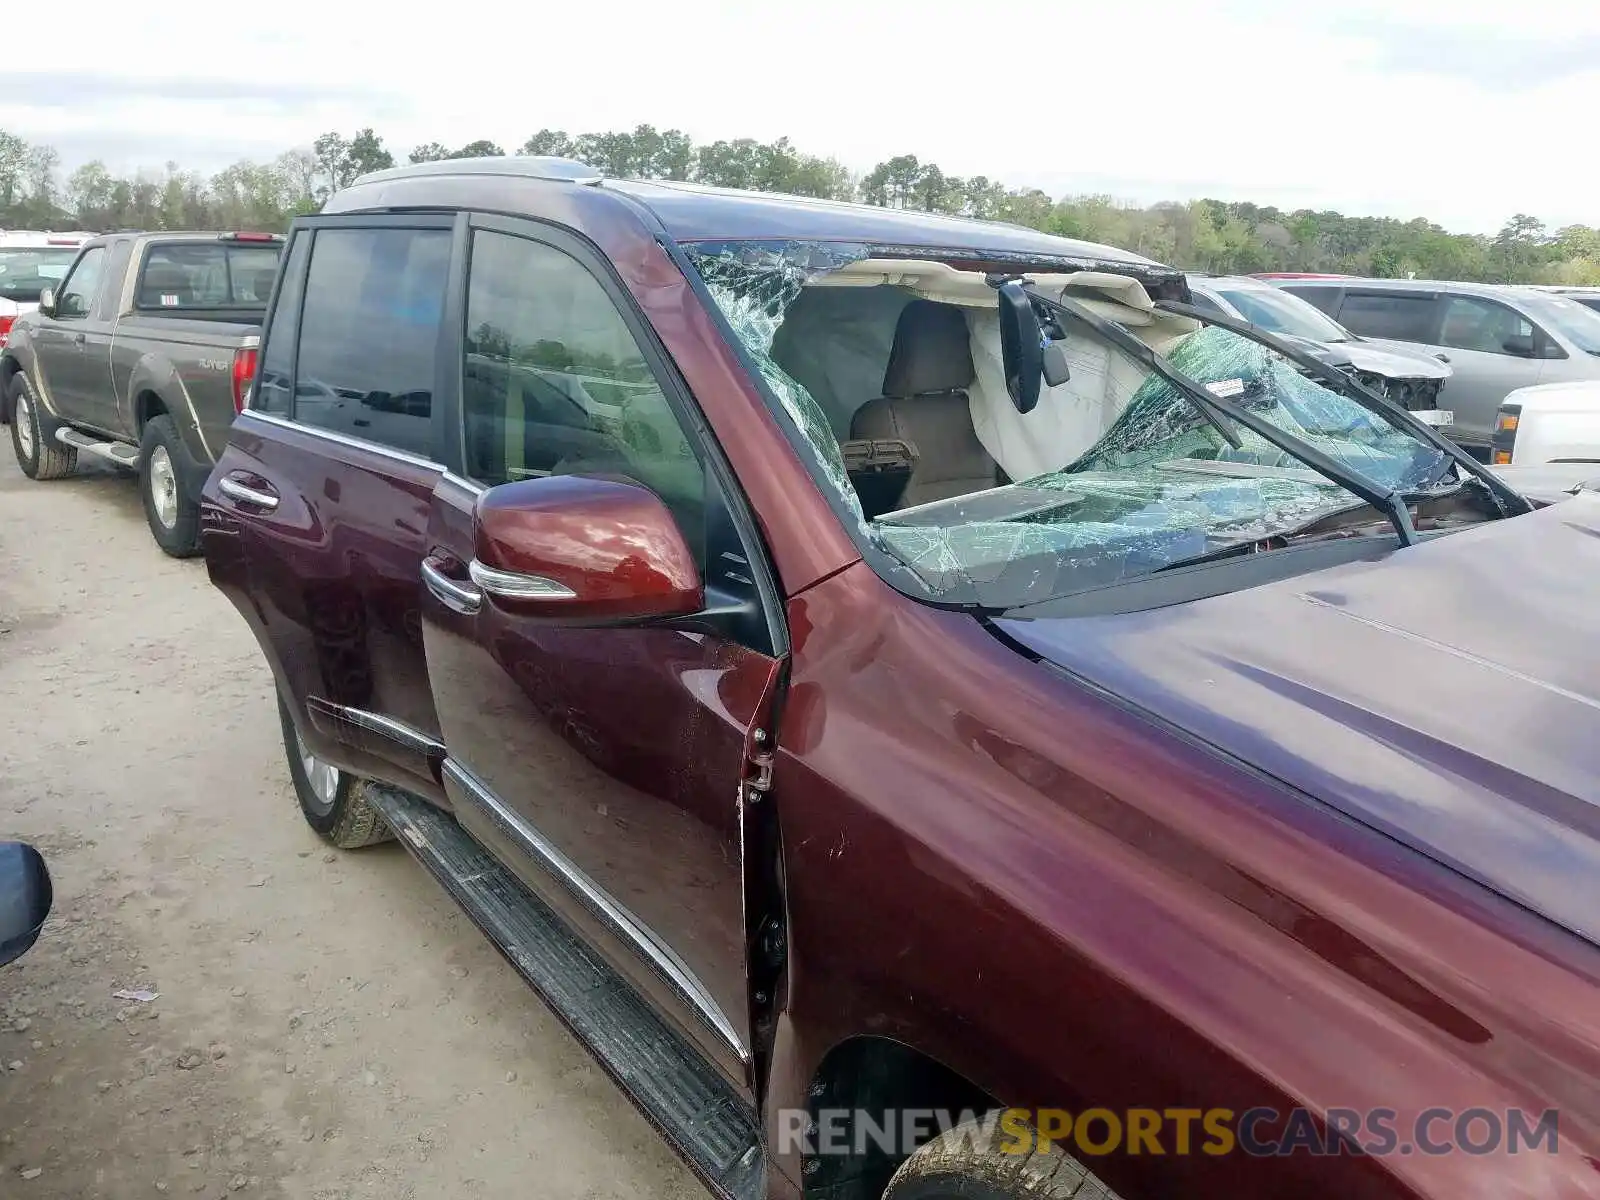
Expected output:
(1203, 401)
(1387, 501)
(1505, 498)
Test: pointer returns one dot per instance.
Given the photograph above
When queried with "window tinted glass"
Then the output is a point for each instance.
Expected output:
(272, 390)
(554, 382)
(1324, 298)
(206, 275)
(1392, 315)
(77, 294)
(369, 334)
(1472, 324)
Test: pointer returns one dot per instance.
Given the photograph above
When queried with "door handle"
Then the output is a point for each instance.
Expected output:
(245, 494)
(78, 339)
(457, 597)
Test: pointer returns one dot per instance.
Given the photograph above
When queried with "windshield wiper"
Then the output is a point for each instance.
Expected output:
(1386, 500)
(1506, 499)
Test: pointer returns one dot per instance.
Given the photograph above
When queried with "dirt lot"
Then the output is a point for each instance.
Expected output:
(328, 1025)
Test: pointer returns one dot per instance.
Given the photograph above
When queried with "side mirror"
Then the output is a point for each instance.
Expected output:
(25, 899)
(1021, 346)
(47, 302)
(583, 550)
(1520, 344)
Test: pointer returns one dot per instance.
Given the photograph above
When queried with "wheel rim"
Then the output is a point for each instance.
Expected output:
(22, 419)
(322, 778)
(163, 487)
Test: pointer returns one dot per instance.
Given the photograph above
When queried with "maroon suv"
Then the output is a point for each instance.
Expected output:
(935, 713)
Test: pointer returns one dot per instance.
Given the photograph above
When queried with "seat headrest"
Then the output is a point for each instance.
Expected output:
(931, 351)
(163, 278)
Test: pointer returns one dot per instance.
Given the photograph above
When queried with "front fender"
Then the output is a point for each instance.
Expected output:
(1076, 908)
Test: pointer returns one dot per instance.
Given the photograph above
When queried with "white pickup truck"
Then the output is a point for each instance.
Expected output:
(1547, 437)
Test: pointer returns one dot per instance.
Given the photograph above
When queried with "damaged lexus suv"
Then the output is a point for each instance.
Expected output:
(936, 713)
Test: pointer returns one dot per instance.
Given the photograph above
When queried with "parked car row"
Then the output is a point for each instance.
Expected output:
(1496, 339)
(857, 663)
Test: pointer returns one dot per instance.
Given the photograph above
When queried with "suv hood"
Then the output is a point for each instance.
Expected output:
(1394, 364)
(1447, 694)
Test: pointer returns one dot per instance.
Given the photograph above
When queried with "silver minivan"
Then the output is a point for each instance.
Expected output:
(1494, 338)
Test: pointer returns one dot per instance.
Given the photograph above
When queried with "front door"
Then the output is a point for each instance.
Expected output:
(1492, 350)
(316, 515)
(77, 380)
(604, 765)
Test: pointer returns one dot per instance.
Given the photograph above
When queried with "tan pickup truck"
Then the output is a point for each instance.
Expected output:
(141, 358)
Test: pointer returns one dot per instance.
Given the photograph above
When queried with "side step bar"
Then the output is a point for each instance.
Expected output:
(119, 453)
(706, 1122)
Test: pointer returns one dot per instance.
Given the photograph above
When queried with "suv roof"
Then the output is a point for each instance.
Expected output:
(1417, 285)
(693, 212)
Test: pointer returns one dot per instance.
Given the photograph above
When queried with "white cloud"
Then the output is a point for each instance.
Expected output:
(1447, 109)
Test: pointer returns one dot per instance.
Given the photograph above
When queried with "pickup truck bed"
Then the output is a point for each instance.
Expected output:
(142, 358)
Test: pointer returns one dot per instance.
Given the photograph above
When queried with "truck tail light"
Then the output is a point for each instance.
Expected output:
(244, 374)
(5, 330)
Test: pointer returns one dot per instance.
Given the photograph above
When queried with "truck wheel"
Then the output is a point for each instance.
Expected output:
(972, 1162)
(173, 514)
(333, 802)
(38, 456)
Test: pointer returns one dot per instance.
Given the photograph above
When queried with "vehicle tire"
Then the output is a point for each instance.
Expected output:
(171, 512)
(969, 1162)
(38, 456)
(333, 802)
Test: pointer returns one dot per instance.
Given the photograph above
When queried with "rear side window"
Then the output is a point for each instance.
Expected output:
(277, 358)
(369, 334)
(1393, 315)
(1325, 298)
(206, 275)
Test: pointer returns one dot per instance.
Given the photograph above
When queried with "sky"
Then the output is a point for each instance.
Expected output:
(1459, 111)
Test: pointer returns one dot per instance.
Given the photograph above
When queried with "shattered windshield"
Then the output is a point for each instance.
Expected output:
(1113, 476)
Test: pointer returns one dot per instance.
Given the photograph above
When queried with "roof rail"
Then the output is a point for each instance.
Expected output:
(566, 170)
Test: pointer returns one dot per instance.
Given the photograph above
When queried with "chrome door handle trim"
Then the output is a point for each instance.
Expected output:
(246, 494)
(454, 596)
(510, 585)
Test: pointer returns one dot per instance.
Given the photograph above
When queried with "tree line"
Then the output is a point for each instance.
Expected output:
(1203, 234)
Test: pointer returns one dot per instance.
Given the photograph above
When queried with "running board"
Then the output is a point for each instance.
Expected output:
(705, 1121)
(120, 453)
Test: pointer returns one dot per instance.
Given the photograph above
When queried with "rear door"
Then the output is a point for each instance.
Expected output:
(606, 766)
(316, 517)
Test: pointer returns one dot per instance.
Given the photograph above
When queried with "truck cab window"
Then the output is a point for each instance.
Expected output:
(554, 382)
(76, 298)
(369, 333)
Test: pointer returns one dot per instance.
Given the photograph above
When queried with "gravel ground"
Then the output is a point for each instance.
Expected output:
(328, 1025)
